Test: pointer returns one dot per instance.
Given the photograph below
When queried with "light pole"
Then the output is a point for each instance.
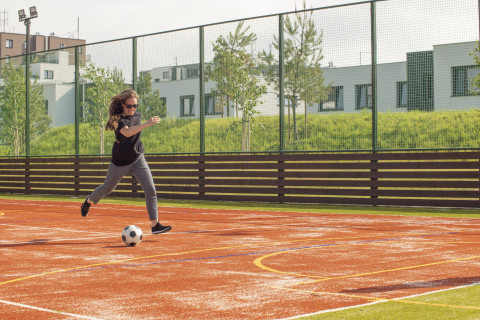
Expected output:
(23, 17)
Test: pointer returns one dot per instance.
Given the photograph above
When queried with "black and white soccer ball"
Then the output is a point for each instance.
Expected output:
(132, 235)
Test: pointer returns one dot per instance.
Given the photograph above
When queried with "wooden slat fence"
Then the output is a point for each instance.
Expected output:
(445, 179)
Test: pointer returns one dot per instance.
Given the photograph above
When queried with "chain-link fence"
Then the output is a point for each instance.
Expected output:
(375, 75)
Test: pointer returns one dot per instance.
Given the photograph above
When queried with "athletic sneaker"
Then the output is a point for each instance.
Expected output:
(85, 208)
(160, 229)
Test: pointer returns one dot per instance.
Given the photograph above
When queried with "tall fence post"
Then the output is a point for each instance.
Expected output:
(201, 168)
(373, 31)
(27, 109)
(77, 101)
(27, 90)
(134, 63)
(77, 121)
(373, 162)
(281, 82)
(202, 90)
(281, 74)
(134, 87)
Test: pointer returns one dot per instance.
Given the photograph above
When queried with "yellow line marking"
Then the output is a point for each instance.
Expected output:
(177, 254)
(210, 249)
(259, 263)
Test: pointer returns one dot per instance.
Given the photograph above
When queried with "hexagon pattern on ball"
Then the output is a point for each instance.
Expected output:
(132, 235)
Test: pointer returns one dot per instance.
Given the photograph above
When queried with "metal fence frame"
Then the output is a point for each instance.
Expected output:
(373, 40)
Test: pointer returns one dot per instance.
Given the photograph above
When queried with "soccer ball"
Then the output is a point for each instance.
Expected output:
(132, 235)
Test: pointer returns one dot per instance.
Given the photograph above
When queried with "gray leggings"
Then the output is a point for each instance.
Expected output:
(141, 171)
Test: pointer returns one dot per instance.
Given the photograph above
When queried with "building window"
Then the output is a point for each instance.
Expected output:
(193, 73)
(402, 94)
(46, 106)
(212, 105)
(48, 74)
(462, 78)
(9, 43)
(186, 106)
(334, 100)
(166, 74)
(363, 96)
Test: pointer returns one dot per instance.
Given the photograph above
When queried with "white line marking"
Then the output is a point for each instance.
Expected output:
(47, 310)
(383, 301)
(54, 229)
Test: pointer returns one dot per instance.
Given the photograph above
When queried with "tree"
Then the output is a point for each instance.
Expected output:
(104, 85)
(235, 72)
(303, 76)
(475, 82)
(149, 102)
(12, 109)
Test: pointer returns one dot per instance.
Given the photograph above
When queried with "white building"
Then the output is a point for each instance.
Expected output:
(439, 79)
(57, 76)
(454, 68)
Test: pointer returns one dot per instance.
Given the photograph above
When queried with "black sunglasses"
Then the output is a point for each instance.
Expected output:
(130, 106)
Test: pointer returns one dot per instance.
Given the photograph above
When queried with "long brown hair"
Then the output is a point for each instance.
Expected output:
(116, 109)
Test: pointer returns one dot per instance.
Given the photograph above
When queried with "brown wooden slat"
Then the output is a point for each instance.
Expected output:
(329, 200)
(64, 178)
(382, 183)
(68, 159)
(219, 197)
(428, 202)
(12, 172)
(70, 167)
(227, 182)
(455, 165)
(8, 167)
(427, 193)
(241, 174)
(12, 179)
(383, 174)
(122, 186)
(427, 184)
(53, 192)
(174, 166)
(12, 184)
(238, 190)
(385, 202)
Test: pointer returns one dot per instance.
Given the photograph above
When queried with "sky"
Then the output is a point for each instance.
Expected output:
(100, 20)
(402, 26)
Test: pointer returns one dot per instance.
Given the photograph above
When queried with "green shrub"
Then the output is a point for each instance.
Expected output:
(348, 131)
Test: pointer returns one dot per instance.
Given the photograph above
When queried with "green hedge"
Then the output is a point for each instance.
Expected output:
(401, 130)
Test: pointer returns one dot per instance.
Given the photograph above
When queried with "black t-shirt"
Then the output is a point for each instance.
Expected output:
(126, 150)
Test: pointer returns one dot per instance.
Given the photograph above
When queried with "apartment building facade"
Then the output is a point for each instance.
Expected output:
(438, 79)
(13, 44)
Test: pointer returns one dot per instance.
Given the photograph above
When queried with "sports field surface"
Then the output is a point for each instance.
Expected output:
(229, 262)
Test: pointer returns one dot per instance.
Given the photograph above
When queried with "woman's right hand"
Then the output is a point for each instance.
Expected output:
(153, 120)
